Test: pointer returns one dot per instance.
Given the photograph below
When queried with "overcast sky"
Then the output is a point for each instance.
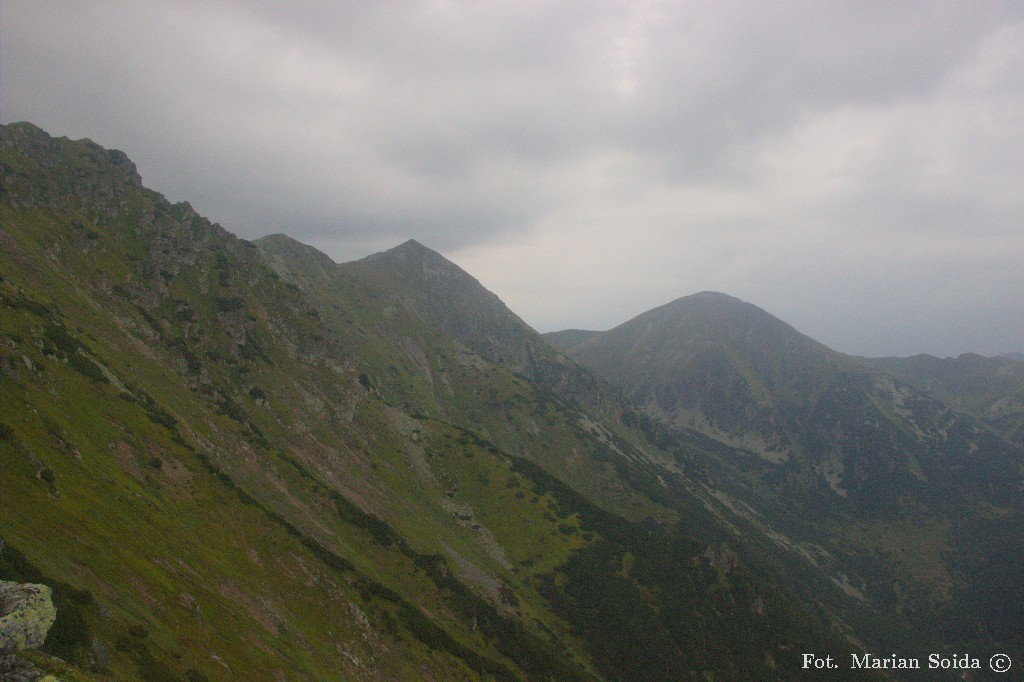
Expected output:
(855, 168)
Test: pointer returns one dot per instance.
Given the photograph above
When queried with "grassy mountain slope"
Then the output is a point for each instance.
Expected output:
(612, 464)
(165, 390)
(409, 362)
(235, 460)
(893, 484)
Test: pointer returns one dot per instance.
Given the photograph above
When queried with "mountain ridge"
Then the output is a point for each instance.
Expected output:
(873, 462)
(239, 459)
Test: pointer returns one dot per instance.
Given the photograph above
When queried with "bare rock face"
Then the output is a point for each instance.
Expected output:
(26, 614)
(78, 174)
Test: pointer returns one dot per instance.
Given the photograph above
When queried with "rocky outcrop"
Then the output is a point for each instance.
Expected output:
(66, 175)
(26, 614)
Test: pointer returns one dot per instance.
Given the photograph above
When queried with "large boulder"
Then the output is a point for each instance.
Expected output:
(26, 614)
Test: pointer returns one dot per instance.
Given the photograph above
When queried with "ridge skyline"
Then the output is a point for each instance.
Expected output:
(500, 269)
(412, 242)
(578, 159)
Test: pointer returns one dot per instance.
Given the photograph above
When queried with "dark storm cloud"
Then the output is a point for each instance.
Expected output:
(835, 163)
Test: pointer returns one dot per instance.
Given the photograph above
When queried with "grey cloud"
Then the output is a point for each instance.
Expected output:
(717, 78)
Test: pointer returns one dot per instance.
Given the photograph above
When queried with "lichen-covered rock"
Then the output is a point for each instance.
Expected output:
(16, 669)
(26, 614)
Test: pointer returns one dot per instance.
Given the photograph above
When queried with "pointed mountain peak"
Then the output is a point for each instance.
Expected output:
(705, 329)
(447, 297)
(711, 296)
(416, 263)
(277, 238)
(711, 300)
(410, 251)
(413, 265)
(711, 313)
(411, 246)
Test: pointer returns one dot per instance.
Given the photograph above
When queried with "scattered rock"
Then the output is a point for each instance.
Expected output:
(100, 653)
(723, 558)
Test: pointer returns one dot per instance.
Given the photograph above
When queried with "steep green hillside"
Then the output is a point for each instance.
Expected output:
(613, 464)
(410, 363)
(188, 442)
(241, 461)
